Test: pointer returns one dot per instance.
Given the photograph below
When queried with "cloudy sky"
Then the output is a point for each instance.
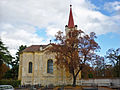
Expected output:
(28, 22)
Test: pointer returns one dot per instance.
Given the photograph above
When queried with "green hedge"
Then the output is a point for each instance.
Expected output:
(14, 83)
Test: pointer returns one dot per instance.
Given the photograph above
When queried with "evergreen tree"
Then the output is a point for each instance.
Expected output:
(5, 56)
(13, 72)
(5, 59)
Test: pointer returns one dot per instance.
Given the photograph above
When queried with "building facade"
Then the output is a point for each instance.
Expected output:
(38, 67)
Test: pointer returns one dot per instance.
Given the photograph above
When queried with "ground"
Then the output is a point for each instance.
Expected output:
(73, 88)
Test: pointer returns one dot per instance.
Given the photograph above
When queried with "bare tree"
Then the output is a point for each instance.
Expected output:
(114, 57)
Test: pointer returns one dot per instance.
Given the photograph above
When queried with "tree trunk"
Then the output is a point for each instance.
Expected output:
(74, 81)
(75, 76)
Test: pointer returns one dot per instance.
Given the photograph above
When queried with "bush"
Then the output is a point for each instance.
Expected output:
(50, 86)
(14, 83)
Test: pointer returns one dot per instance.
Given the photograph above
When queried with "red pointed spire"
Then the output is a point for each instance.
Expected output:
(71, 21)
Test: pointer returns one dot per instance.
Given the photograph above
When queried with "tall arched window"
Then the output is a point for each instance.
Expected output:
(50, 66)
(30, 67)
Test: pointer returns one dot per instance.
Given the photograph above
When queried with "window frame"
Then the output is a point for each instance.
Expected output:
(30, 67)
(50, 66)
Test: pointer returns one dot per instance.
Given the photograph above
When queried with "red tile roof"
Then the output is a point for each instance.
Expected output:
(34, 48)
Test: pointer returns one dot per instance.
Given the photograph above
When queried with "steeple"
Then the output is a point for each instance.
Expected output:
(70, 26)
(71, 20)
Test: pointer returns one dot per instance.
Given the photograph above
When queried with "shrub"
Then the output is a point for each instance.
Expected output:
(14, 83)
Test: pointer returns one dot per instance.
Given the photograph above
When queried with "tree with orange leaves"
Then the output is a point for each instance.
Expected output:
(74, 50)
(3, 69)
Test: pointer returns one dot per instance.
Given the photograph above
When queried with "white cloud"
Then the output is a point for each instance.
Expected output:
(112, 6)
(52, 30)
(18, 19)
(14, 36)
(91, 20)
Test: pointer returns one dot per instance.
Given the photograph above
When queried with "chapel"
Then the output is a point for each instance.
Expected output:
(38, 67)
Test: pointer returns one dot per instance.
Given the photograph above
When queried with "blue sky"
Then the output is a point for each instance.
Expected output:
(38, 23)
(110, 39)
(100, 4)
(107, 41)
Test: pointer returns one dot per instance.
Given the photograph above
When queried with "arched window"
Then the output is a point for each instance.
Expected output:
(50, 66)
(30, 67)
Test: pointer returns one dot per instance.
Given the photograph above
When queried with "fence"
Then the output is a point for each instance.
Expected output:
(99, 82)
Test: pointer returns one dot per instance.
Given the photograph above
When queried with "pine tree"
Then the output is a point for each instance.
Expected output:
(5, 59)
(5, 56)
(13, 72)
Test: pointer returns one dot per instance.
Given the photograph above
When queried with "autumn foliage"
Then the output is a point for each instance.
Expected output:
(74, 51)
(3, 69)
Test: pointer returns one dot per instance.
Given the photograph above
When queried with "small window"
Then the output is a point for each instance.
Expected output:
(30, 67)
(50, 66)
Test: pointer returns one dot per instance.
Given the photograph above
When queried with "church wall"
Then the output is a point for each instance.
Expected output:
(39, 74)
(48, 78)
(20, 67)
(27, 78)
(58, 77)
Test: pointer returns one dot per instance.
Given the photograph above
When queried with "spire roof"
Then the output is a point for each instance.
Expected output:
(71, 20)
